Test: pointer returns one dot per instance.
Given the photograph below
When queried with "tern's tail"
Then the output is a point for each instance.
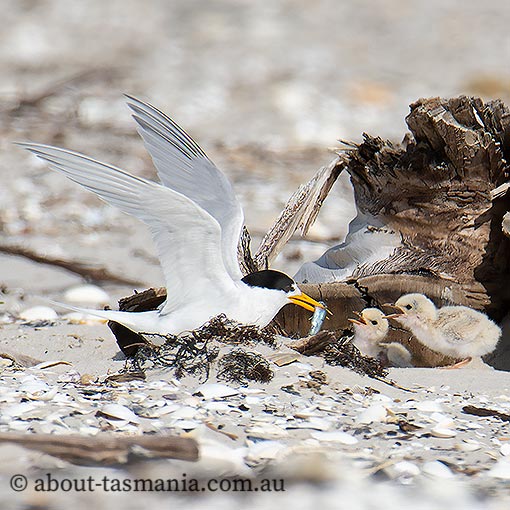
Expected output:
(145, 322)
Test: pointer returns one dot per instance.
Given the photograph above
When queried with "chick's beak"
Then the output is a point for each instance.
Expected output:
(399, 311)
(360, 321)
(306, 302)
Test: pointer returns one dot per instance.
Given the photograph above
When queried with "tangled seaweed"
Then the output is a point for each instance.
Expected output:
(192, 352)
(227, 331)
(343, 353)
(242, 366)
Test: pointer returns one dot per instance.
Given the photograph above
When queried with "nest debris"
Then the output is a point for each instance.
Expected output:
(243, 366)
(193, 352)
(345, 354)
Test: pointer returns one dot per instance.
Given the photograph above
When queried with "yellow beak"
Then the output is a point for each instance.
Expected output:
(307, 302)
(400, 311)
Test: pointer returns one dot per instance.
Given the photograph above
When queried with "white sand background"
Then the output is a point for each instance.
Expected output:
(265, 88)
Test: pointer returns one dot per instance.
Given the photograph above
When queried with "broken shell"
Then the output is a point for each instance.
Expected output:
(443, 432)
(186, 424)
(469, 445)
(335, 436)
(500, 470)
(406, 468)
(428, 406)
(437, 469)
(215, 390)
(374, 413)
(505, 450)
(39, 313)
(119, 412)
(266, 431)
(90, 294)
(281, 359)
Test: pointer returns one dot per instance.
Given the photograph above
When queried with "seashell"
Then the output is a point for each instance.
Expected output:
(440, 417)
(215, 390)
(437, 469)
(335, 436)
(218, 460)
(17, 411)
(39, 313)
(49, 364)
(443, 432)
(406, 468)
(429, 406)
(469, 445)
(217, 406)
(119, 412)
(186, 424)
(264, 450)
(89, 294)
(185, 413)
(374, 413)
(266, 431)
(284, 358)
(33, 386)
(505, 450)
(500, 470)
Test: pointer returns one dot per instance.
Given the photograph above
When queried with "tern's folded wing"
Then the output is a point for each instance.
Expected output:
(183, 166)
(187, 237)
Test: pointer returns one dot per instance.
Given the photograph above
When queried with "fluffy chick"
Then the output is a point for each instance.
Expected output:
(370, 330)
(456, 331)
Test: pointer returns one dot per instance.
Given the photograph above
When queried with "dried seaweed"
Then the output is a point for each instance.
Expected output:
(192, 352)
(242, 366)
(227, 331)
(343, 353)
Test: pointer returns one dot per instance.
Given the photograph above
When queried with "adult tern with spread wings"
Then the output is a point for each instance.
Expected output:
(195, 220)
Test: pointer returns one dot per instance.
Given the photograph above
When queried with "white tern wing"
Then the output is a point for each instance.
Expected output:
(183, 166)
(187, 238)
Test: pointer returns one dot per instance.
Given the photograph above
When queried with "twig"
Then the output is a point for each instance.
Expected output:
(313, 344)
(98, 274)
(54, 88)
(105, 449)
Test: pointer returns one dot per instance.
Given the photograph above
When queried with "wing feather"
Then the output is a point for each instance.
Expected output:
(187, 237)
(184, 167)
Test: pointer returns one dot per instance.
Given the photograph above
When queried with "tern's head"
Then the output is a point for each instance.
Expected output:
(370, 325)
(414, 308)
(280, 282)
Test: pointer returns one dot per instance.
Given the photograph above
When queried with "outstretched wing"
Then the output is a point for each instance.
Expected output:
(184, 167)
(187, 238)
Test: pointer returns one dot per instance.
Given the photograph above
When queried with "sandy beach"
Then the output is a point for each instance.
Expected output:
(267, 90)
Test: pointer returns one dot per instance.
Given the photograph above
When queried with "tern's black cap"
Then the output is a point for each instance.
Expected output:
(269, 279)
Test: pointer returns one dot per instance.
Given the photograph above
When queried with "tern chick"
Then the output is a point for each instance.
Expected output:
(456, 331)
(370, 330)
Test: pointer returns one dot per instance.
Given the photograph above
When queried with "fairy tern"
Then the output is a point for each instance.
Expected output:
(456, 331)
(370, 330)
(195, 220)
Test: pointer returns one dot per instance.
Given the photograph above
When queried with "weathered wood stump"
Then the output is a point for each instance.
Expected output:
(429, 217)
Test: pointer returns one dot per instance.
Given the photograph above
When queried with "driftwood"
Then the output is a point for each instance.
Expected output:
(312, 344)
(434, 208)
(89, 272)
(105, 449)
